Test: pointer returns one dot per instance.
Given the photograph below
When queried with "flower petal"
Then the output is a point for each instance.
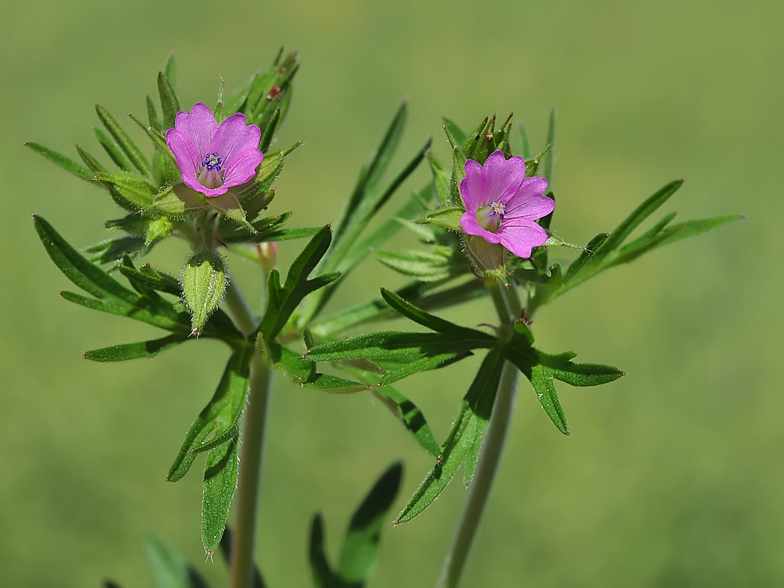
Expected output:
(211, 192)
(235, 136)
(472, 186)
(502, 176)
(199, 126)
(528, 202)
(185, 152)
(470, 225)
(241, 167)
(520, 236)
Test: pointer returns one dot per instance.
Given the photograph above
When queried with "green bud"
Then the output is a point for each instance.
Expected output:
(203, 284)
(485, 257)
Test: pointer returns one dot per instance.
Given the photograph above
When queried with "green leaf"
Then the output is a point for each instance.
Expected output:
(426, 266)
(134, 189)
(151, 278)
(447, 218)
(548, 158)
(135, 155)
(221, 413)
(128, 351)
(525, 146)
(170, 70)
(440, 179)
(90, 161)
(464, 438)
(304, 372)
(433, 322)
(454, 131)
(359, 554)
(203, 285)
(323, 576)
(64, 162)
(112, 250)
(111, 148)
(585, 256)
(169, 568)
(284, 300)
(377, 310)
(169, 103)
(152, 115)
(220, 481)
(458, 175)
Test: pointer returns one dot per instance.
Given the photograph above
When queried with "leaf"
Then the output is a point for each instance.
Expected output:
(378, 309)
(323, 576)
(169, 568)
(169, 103)
(112, 250)
(130, 351)
(440, 179)
(111, 148)
(64, 162)
(525, 144)
(466, 434)
(284, 300)
(304, 372)
(170, 70)
(221, 413)
(426, 266)
(454, 131)
(548, 158)
(135, 155)
(131, 187)
(359, 554)
(447, 218)
(458, 175)
(220, 482)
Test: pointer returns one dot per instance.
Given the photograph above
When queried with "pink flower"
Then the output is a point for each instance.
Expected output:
(214, 158)
(502, 205)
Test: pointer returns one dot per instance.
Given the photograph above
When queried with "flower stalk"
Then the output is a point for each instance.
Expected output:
(507, 305)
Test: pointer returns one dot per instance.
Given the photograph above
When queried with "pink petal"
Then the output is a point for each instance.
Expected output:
(194, 183)
(234, 136)
(472, 186)
(185, 152)
(242, 167)
(199, 126)
(521, 236)
(471, 226)
(528, 202)
(502, 177)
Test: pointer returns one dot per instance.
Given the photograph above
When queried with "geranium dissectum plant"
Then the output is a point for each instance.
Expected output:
(502, 205)
(214, 158)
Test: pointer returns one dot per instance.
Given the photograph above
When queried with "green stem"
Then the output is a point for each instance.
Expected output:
(508, 305)
(247, 501)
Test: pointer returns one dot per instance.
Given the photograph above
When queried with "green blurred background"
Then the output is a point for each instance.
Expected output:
(672, 475)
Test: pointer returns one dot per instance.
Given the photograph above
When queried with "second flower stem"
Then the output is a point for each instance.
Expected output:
(507, 304)
(251, 451)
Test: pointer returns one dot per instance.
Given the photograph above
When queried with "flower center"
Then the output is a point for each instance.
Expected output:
(491, 216)
(210, 174)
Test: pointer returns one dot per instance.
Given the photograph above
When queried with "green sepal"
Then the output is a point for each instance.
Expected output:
(458, 175)
(178, 200)
(64, 162)
(465, 437)
(90, 161)
(142, 349)
(203, 285)
(221, 413)
(152, 278)
(525, 144)
(549, 159)
(131, 150)
(152, 115)
(170, 70)
(454, 134)
(220, 482)
(157, 229)
(229, 206)
(447, 218)
(532, 164)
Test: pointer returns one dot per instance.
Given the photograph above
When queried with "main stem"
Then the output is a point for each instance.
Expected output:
(247, 502)
(508, 306)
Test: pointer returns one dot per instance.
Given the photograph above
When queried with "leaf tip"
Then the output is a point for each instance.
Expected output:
(568, 433)
(33, 215)
(623, 374)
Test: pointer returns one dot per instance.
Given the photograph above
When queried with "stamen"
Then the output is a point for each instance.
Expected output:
(498, 208)
(212, 162)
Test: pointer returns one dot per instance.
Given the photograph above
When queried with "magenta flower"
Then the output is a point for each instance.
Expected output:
(214, 158)
(502, 205)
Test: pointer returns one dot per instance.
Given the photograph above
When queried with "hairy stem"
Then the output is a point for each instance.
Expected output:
(247, 501)
(508, 305)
